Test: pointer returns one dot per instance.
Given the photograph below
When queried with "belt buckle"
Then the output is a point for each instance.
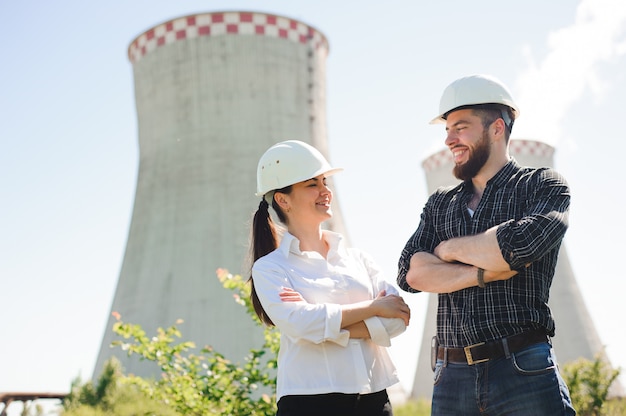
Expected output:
(468, 354)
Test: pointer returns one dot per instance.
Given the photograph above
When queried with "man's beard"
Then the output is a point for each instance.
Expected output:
(478, 158)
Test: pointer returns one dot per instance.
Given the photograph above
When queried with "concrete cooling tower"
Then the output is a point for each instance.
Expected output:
(213, 91)
(575, 336)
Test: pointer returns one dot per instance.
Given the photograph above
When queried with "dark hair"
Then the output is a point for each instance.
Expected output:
(489, 113)
(264, 241)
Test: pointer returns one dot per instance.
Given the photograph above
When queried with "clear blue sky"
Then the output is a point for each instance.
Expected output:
(69, 153)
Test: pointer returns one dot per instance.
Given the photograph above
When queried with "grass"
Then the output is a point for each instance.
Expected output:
(413, 408)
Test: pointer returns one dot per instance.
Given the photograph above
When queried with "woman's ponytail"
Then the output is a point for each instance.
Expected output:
(264, 241)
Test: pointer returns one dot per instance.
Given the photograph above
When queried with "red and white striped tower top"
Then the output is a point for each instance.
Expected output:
(224, 23)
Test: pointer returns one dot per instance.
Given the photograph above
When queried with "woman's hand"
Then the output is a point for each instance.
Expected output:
(391, 306)
(287, 294)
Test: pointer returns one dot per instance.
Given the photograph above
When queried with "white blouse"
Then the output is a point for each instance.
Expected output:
(316, 356)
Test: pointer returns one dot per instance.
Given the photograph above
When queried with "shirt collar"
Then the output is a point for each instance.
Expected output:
(290, 244)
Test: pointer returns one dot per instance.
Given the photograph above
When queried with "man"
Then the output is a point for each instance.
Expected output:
(489, 248)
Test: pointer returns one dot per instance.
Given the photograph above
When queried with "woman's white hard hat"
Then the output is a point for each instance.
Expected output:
(290, 162)
(474, 90)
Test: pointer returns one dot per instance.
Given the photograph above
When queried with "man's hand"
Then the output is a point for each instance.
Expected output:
(480, 250)
(491, 276)
(444, 252)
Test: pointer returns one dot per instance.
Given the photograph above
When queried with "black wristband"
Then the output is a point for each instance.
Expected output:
(481, 278)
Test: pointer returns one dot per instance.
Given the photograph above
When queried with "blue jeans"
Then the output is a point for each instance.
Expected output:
(526, 383)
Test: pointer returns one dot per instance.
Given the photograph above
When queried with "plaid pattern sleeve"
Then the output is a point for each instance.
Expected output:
(543, 221)
(425, 238)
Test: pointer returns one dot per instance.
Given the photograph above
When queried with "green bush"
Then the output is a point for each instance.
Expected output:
(198, 384)
(614, 407)
(204, 383)
(589, 383)
(110, 396)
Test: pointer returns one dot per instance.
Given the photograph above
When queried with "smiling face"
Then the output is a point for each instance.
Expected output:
(308, 201)
(469, 142)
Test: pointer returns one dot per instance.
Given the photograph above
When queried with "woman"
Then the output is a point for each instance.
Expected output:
(335, 312)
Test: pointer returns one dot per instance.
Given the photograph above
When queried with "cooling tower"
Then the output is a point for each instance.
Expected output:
(213, 91)
(575, 336)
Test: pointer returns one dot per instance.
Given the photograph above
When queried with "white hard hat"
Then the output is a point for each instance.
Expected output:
(474, 90)
(290, 162)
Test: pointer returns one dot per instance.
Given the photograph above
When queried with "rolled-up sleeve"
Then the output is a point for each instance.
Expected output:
(381, 329)
(543, 226)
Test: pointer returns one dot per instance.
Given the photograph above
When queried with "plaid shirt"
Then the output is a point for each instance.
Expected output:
(530, 207)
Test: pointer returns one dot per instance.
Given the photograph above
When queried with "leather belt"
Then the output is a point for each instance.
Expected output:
(485, 351)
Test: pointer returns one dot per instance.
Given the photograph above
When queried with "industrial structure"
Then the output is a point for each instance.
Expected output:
(213, 91)
(576, 336)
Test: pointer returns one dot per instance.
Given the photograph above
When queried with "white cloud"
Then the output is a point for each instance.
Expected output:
(546, 90)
